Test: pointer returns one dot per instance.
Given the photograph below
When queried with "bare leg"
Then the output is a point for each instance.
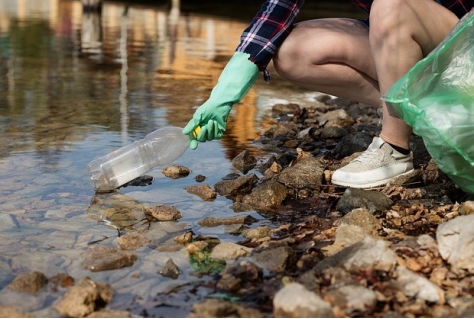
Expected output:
(402, 32)
(341, 57)
(331, 56)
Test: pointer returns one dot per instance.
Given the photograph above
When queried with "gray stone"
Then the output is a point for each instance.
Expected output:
(267, 196)
(359, 198)
(414, 285)
(368, 253)
(456, 242)
(238, 186)
(244, 162)
(258, 232)
(352, 143)
(305, 173)
(295, 301)
(274, 258)
(170, 270)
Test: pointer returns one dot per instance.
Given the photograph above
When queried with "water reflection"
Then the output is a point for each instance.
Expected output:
(75, 85)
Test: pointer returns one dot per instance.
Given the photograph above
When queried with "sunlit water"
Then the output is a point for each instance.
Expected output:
(75, 86)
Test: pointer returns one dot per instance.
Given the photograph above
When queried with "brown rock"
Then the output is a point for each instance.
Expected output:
(176, 171)
(132, 241)
(162, 213)
(104, 258)
(30, 283)
(205, 192)
(83, 298)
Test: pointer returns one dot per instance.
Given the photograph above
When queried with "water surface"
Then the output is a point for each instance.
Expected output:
(76, 85)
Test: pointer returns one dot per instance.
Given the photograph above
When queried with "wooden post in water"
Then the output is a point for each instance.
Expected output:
(92, 5)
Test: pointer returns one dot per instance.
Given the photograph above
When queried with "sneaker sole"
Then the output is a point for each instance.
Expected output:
(369, 184)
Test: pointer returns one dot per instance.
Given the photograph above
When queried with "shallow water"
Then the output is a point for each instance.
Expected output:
(75, 86)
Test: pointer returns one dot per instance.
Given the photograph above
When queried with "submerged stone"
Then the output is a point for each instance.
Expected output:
(104, 258)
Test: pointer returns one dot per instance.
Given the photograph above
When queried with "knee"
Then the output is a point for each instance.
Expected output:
(287, 56)
(386, 17)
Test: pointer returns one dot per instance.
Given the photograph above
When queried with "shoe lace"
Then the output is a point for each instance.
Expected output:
(368, 155)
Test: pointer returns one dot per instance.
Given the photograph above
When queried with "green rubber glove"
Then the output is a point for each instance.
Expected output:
(234, 82)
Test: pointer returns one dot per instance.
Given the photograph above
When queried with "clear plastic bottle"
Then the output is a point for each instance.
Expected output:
(160, 147)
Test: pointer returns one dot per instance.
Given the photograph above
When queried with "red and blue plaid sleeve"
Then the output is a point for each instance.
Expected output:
(272, 24)
(268, 30)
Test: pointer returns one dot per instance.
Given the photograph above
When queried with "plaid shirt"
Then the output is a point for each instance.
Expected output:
(274, 21)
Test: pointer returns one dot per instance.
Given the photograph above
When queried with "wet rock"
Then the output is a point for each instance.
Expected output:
(233, 187)
(305, 173)
(267, 196)
(352, 299)
(244, 162)
(278, 131)
(12, 312)
(230, 251)
(290, 108)
(244, 273)
(275, 259)
(205, 192)
(109, 313)
(116, 209)
(162, 213)
(239, 207)
(414, 285)
(176, 171)
(354, 198)
(184, 239)
(256, 233)
(200, 178)
(170, 270)
(351, 144)
(218, 308)
(83, 298)
(143, 180)
(214, 221)
(456, 242)
(60, 280)
(368, 253)
(333, 132)
(295, 301)
(337, 117)
(104, 258)
(132, 241)
(29, 283)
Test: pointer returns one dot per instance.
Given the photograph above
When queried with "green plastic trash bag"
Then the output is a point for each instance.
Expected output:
(436, 98)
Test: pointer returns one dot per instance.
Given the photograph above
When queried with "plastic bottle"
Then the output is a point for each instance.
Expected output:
(160, 147)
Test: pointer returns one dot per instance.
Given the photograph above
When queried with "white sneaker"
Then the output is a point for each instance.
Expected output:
(375, 167)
